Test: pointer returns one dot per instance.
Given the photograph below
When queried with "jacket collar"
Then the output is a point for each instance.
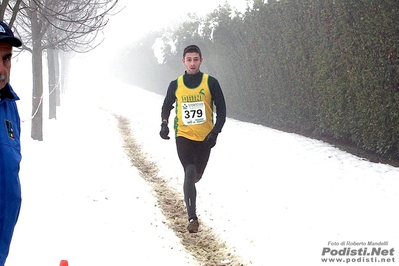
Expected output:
(8, 93)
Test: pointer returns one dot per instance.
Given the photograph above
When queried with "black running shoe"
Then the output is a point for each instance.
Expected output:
(193, 226)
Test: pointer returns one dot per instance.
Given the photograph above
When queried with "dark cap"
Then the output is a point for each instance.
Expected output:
(192, 49)
(7, 36)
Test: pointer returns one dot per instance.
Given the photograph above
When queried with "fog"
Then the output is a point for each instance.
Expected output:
(131, 21)
(139, 17)
(301, 197)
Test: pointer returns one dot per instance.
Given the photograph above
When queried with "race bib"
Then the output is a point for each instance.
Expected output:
(193, 113)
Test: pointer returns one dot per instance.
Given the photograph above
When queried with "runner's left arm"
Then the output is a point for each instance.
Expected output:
(218, 99)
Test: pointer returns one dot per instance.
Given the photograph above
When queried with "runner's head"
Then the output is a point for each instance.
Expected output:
(192, 59)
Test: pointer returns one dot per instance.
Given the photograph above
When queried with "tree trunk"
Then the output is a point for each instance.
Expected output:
(57, 77)
(52, 84)
(65, 58)
(37, 79)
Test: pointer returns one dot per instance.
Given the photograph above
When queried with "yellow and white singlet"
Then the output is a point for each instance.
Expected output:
(194, 110)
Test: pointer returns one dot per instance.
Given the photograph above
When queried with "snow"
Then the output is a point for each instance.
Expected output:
(275, 198)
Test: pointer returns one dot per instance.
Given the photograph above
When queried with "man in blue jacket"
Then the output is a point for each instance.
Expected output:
(10, 148)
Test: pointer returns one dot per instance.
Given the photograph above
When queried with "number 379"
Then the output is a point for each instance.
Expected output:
(193, 113)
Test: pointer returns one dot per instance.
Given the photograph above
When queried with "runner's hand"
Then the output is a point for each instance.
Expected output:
(164, 130)
(210, 140)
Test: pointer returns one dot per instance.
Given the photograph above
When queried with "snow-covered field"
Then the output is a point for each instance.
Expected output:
(275, 198)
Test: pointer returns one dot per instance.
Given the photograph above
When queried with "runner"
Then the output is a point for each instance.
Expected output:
(195, 94)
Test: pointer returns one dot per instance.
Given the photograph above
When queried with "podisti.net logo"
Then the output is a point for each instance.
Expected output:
(358, 252)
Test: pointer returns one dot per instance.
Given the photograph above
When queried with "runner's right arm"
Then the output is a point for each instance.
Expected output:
(169, 100)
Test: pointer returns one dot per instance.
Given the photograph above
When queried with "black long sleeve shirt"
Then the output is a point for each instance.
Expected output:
(193, 81)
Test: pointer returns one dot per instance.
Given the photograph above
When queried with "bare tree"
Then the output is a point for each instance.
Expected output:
(10, 9)
(75, 29)
(69, 25)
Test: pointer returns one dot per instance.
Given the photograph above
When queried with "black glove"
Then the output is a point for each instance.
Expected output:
(164, 130)
(210, 140)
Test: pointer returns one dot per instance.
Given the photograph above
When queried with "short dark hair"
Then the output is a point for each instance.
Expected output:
(192, 49)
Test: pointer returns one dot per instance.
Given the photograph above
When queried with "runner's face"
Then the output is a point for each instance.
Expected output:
(5, 64)
(192, 62)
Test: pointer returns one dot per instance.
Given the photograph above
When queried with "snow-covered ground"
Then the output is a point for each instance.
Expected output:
(275, 198)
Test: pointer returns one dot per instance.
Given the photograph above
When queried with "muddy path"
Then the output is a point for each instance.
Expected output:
(205, 246)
